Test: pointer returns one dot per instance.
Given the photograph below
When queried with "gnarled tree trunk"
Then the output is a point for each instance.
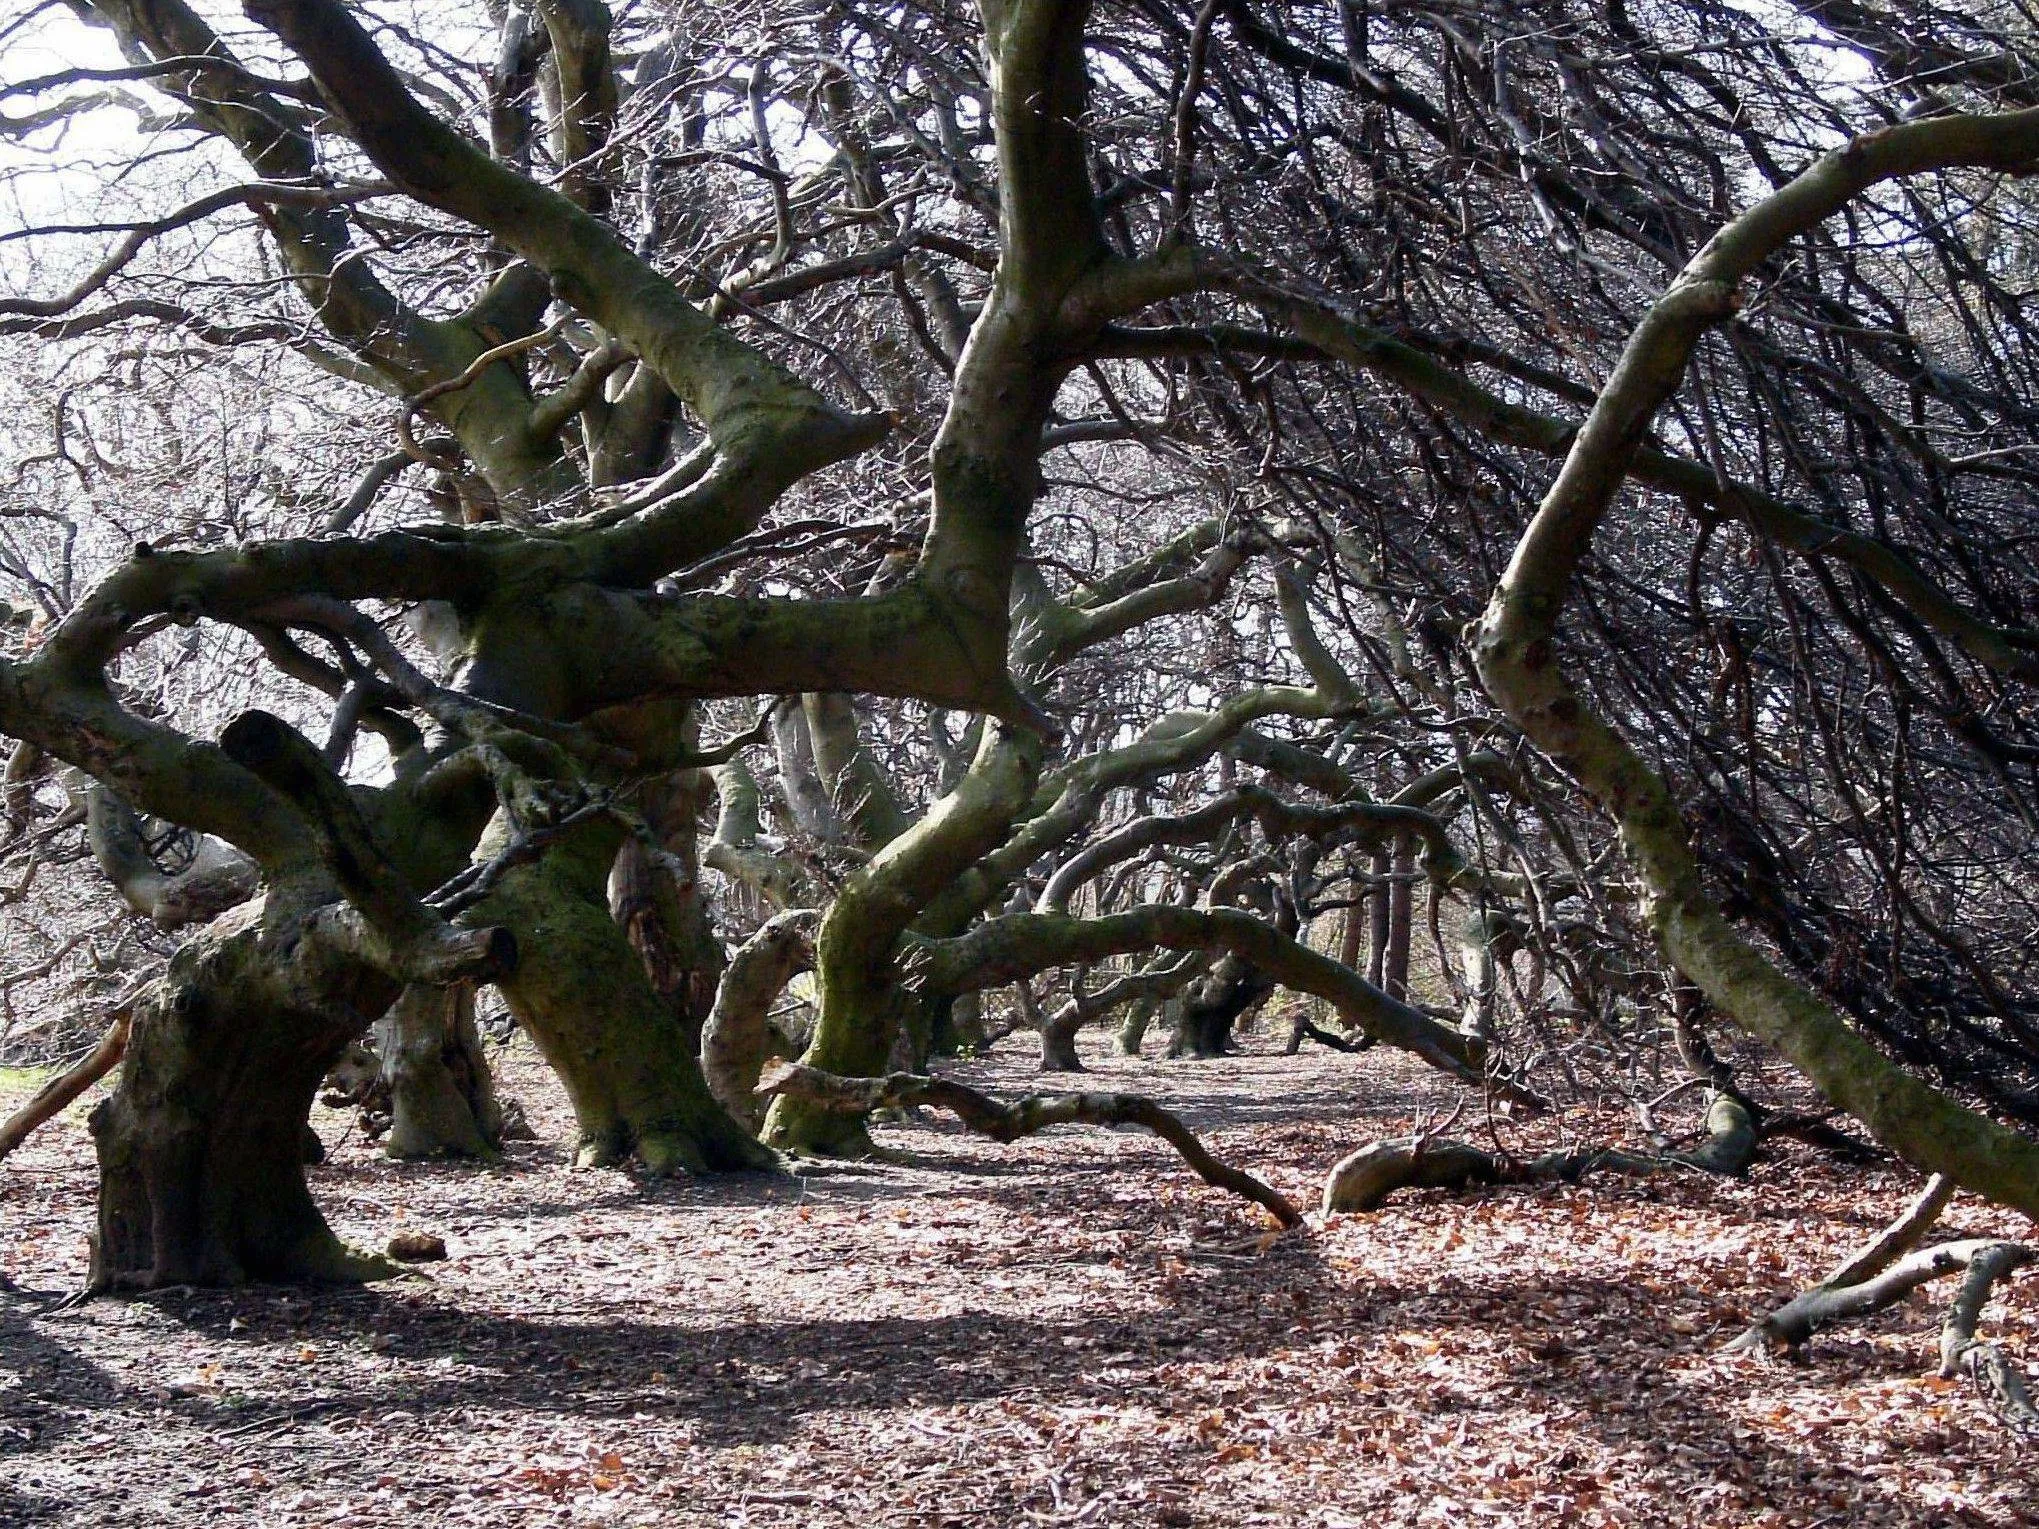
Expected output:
(1209, 1010)
(442, 1097)
(201, 1147)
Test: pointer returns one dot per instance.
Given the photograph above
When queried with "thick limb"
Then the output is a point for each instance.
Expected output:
(217, 878)
(1023, 1117)
(1003, 949)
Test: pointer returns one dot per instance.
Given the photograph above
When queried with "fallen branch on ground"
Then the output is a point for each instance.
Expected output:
(1887, 1270)
(1023, 1117)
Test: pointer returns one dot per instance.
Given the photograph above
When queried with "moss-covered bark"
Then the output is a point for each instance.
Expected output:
(201, 1146)
(864, 1000)
(583, 997)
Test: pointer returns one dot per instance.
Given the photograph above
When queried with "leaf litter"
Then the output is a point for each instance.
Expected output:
(1067, 1330)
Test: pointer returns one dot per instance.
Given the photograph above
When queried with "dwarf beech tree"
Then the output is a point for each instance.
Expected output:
(1140, 507)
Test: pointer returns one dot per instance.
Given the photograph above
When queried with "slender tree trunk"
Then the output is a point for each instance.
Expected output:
(1395, 968)
(1132, 1031)
(1377, 907)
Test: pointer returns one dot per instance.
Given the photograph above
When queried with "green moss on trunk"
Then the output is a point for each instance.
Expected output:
(581, 993)
(201, 1146)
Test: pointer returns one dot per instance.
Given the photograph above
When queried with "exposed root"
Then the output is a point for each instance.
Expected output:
(1023, 1117)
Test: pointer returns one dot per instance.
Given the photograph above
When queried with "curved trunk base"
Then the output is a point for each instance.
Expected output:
(803, 1128)
(861, 1030)
(442, 1097)
(959, 1027)
(202, 1144)
(1132, 1031)
(1058, 1047)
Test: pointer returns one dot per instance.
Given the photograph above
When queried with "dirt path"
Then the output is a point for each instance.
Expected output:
(985, 1335)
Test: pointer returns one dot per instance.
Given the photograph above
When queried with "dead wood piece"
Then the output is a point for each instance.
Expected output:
(1900, 1238)
(1858, 1269)
(1985, 1268)
(1982, 1263)
(1365, 1179)
(417, 1247)
(1024, 1117)
(1791, 1324)
(50, 1100)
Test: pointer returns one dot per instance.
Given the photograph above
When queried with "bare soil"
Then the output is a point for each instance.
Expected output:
(1062, 1331)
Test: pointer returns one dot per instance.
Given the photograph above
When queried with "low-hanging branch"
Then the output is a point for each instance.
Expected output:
(1516, 653)
(1019, 945)
(1363, 1180)
(50, 1100)
(1024, 1117)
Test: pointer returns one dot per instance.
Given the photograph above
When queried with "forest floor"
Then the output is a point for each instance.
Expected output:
(1052, 1332)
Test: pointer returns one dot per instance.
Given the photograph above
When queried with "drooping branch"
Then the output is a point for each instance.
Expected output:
(735, 1037)
(50, 1100)
(1024, 1117)
(1322, 329)
(1516, 654)
(1017, 945)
